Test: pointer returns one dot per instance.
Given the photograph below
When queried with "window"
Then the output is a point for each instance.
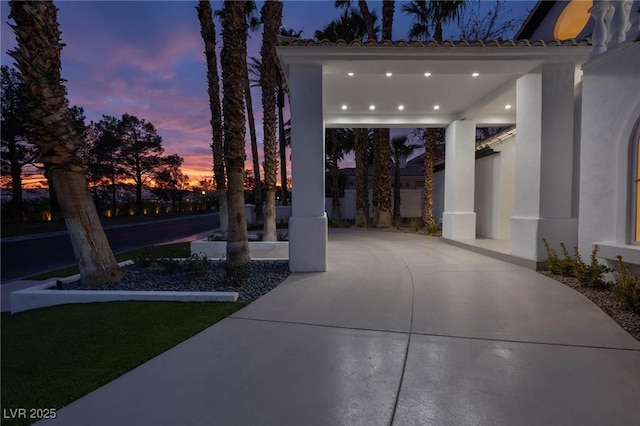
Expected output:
(572, 20)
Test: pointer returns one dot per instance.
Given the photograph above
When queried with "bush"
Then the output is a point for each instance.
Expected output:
(553, 261)
(627, 287)
(237, 275)
(282, 236)
(414, 225)
(432, 228)
(346, 224)
(591, 275)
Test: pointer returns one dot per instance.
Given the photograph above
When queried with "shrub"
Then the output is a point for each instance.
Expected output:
(237, 274)
(432, 228)
(334, 223)
(591, 275)
(397, 223)
(195, 266)
(414, 225)
(553, 261)
(282, 236)
(346, 224)
(627, 287)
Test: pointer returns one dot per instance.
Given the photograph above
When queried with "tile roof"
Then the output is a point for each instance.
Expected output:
(296, 42)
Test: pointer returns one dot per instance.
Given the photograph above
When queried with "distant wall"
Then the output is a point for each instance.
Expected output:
(494, 192)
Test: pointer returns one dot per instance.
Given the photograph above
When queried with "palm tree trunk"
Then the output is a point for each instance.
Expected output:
(362, 184)
(429, 146)
(234, 65)
(388, 7)
(38, 54)
(335, 184)
(272, 19)
(283, 149)
(257, 186)
(396, 189)
(368, 19)
(376, 177)
(208, 32)
(384, 191)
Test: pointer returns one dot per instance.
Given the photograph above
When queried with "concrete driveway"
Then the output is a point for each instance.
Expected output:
(402, 330)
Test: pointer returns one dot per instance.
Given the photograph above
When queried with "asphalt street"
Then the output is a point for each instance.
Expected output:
(33, 254)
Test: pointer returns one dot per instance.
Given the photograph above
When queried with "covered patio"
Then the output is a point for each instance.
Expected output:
(458, 86)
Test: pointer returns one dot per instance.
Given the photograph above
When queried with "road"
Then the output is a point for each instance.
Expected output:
(33, 254)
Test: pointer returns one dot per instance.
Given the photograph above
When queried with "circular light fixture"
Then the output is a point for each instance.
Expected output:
(372, 107)
(350, 74)
(344, 107)
(436, 107)
(427, 74)
(389, 74)
(507, 106)
(400, 107)
(475, 74)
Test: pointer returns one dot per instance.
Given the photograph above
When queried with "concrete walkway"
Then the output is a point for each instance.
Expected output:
(402, 330)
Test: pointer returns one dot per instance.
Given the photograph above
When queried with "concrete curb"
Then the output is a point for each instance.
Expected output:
(41, 295)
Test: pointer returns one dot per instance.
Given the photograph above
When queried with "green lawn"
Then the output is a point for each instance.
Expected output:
(53, 356)
(167, 250)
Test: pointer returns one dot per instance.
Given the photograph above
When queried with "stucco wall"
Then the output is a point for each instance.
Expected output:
(410, 205)
(494, 192)
(610, 115)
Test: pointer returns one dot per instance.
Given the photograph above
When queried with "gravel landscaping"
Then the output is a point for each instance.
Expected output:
(259, 278)
(606, 301)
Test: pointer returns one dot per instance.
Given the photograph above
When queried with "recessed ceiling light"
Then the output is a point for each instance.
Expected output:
(350, 74)
(475, 74)
(389, 74)
(436, 107)
(400, 107)
(507, 106)
(344, 107)
(427, 74)
(372, 107)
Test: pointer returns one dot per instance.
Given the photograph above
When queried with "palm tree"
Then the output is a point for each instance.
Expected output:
(427, 16)
(339, 142)
(400, 150)
(361, 144)
(431, 15)
(234, 65)
(388, 7)
(208, 32)
(351, 26)
(253, 22)
(368, 17)
(38, 59)
(272, 19)
(281, 91)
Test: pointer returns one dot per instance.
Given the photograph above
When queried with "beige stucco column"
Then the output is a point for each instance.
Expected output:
(308, 223)
(544, 162)
(459, 218)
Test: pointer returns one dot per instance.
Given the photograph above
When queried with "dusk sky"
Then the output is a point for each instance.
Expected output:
(146, 58)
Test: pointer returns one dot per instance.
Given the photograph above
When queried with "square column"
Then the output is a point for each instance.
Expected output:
(544, 162)
(308, 222)
(459, 218)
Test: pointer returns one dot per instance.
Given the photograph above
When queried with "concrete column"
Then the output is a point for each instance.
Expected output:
(459, 218)
(544, 162)
(308, 222)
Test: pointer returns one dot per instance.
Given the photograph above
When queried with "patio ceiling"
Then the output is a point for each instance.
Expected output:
(451, 84)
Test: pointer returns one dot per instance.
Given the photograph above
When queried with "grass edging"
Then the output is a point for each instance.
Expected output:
(53, 356)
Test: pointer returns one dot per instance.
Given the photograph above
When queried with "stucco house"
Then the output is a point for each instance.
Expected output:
(569, 175)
